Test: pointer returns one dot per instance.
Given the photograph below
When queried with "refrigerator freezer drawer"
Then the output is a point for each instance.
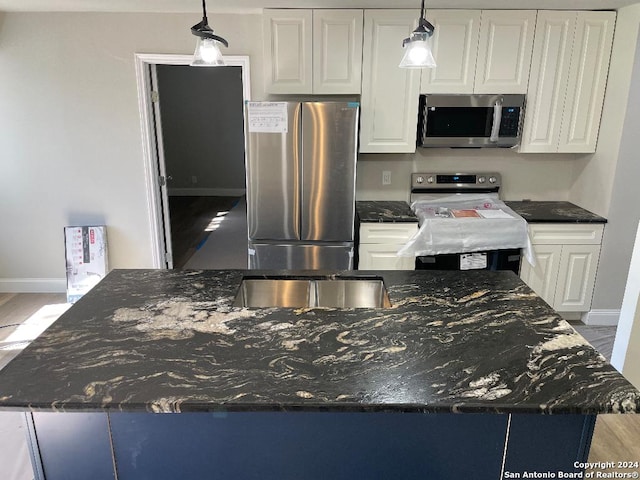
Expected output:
(300, 257)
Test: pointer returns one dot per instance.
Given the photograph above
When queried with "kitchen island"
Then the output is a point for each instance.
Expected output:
(454, 380)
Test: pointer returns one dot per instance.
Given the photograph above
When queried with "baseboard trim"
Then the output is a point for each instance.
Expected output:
(33, 285)
(601, 317)
(206, 192)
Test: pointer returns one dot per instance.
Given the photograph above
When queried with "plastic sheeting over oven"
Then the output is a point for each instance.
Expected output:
(467, 223)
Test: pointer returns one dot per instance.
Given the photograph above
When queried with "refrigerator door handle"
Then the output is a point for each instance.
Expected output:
(297, 153)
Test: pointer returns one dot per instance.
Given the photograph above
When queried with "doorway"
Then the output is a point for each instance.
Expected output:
(193, 141)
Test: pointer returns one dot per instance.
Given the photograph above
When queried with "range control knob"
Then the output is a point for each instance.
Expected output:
(493, 179)
(431, 180)
(481, 179)
(419, 180)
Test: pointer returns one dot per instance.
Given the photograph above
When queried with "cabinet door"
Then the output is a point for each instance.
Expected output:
(383, 257)
(389, 102)
(548, 81)
(288, 51)
(454, 43)
(543, 277)
(337, 51)
(577, 276)
(587, 82)
(504, 51)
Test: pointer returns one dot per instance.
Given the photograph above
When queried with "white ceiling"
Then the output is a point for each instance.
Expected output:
(172, 6)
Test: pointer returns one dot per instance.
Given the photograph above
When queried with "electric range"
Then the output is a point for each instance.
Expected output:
(442, 200)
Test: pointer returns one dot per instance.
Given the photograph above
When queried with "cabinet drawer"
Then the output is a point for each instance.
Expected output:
(567, 234)
(383, 257)
(386, 232)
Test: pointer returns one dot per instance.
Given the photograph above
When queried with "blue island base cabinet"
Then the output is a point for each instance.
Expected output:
(306, 445)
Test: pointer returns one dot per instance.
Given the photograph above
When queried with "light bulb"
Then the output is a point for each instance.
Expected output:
(209, 50)
(207, 53)
(418, 52)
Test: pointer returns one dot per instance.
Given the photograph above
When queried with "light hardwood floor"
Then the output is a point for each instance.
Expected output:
(616, 437)
(15, 308)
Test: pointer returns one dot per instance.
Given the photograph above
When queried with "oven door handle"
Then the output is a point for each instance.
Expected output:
(497, 119)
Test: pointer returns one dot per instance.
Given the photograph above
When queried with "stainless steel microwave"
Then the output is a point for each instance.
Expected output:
(470, 121)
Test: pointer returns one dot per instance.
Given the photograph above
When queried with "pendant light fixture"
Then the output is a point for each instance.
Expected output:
(207, 52)
(417, 51)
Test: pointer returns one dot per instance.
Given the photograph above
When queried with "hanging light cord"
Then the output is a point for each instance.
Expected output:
(203, 30)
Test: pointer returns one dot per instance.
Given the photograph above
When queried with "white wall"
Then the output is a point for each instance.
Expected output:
(626, 349)
(532, 176)
(631, 368)
(70, 150)
(608, 183)
(595, 176)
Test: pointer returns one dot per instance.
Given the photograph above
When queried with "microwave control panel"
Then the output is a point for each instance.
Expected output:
(510, 122)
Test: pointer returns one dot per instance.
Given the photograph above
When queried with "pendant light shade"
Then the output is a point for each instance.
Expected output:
(417, 50)
(207, 52)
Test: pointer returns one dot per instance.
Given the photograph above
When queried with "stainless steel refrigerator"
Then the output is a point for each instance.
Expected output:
(301, 164)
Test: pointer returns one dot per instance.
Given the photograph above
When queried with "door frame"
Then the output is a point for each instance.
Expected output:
(150, 162)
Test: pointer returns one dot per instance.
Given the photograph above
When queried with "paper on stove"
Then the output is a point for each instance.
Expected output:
(498, 213)
(465, 213)
(501, 229)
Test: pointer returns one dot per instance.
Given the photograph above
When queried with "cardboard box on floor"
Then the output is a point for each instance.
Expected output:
(86, 258)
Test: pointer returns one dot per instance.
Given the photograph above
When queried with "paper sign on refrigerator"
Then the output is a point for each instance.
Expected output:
(268, 117)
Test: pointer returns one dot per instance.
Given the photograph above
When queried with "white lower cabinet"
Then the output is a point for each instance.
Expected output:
(379, 245)
(566, 264)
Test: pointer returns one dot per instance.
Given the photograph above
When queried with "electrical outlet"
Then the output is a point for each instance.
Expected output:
(386, 177)
(194, 179)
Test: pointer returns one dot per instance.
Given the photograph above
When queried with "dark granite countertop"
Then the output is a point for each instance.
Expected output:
(553, 212)
(170, 341)
(387, 211)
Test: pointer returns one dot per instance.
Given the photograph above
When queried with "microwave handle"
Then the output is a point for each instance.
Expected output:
(497, 118)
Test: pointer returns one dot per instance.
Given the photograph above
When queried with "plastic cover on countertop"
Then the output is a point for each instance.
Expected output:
(441, 232)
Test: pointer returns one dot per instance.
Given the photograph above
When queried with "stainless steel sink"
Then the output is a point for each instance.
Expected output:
(312, 293)
(263, 292)
(352, 293)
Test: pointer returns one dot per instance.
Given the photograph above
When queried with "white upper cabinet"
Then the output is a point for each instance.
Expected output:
(454, 43)
(569, 69)
(486, 51)
(587, 81)
(504, 51)
(548, 83)
(288, 48)
(389, 101)
(337, 51)
(312, 51)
